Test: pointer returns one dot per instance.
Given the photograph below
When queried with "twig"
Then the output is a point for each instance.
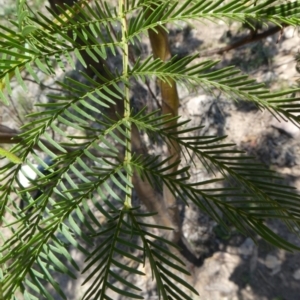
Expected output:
(248, 39)
(11, 136)
(43, 86)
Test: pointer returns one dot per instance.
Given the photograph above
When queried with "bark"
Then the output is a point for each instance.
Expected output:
(170, 102)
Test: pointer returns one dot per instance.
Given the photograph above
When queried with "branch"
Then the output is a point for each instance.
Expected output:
(11, 136)
(246, 40)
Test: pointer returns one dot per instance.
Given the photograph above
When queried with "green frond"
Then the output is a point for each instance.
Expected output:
(43, 226)
(44, 257)
(251, 194)
(241, 11)
(122, 236)
(163, 264)
(228, 80)
(47, 39)
(103, 260)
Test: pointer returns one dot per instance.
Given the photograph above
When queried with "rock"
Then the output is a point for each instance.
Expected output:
(269, 76)
(246, 249)
(213, 268)
(288, 127)
(193, 105)
(289, 32)
(272, 262)
(296, 274)
(213, 278)
(26, 175)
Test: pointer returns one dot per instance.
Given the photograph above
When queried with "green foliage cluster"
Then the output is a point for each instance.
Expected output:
(103, 159)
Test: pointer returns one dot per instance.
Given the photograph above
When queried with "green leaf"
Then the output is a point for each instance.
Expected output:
(124, 292)
(79, 57)
(28, 29)
(12, 157)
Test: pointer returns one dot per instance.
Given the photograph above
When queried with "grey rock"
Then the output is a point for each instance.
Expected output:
(296, 274)
(246, 249)
(272, 262)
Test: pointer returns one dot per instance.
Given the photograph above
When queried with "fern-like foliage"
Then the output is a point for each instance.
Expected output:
(86, 199)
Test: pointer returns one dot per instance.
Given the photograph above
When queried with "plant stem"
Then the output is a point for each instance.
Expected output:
(170, 103)
(128, 155)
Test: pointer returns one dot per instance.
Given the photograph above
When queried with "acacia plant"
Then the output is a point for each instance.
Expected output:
(103, 148)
